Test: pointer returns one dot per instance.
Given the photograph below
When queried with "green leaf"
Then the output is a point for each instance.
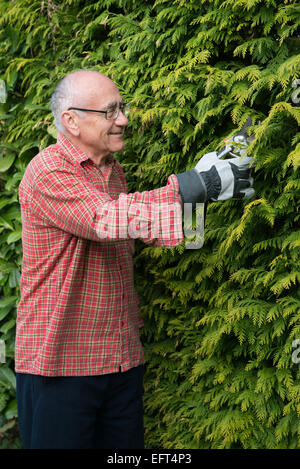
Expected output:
(13, 36)
(11, 79)
(52, 131)
(12, 237)
(8, 146)
(7, 326)
(14, 278)
(6, 222)
(6, 302)
(35, 107)
(6, 162)
(4, 312)
(6, 201)
(11, 410)
(6, 267)
(7, 377)
(29, 146)
(7, 426)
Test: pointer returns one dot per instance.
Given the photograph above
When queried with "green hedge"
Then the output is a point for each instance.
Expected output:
(221, 321)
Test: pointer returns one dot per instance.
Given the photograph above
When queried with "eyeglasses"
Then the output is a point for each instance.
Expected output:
(111, 113)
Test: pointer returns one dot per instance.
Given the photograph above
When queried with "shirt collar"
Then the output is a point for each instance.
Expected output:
(75, 152)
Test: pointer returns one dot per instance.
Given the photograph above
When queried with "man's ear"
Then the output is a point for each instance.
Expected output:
(70, 122)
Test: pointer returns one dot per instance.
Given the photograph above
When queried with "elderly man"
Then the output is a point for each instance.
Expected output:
(79, 360)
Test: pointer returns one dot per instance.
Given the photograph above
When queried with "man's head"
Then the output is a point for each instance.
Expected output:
(90, 131)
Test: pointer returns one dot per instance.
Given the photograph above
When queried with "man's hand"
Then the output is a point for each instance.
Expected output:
(226, 179)
(215, 179)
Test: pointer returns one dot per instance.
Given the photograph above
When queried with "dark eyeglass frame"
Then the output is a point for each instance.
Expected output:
(124, 107)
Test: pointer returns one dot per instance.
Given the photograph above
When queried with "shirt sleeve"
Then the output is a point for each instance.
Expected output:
(65, 200)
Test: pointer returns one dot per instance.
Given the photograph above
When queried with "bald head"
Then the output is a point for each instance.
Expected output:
(77, 89)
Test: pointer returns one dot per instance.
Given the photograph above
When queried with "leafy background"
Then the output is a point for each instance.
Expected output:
(219, 321)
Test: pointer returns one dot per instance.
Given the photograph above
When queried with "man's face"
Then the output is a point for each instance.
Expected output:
(99, 136)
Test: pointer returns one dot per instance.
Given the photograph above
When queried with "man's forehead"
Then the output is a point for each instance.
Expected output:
(104, 97)
(102, 101)
(97, 88)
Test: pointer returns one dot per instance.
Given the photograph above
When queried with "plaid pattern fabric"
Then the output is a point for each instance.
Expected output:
(79, 313)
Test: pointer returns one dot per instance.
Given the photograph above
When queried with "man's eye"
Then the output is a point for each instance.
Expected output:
(111, 111)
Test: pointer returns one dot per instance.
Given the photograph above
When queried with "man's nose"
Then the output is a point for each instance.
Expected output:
(121, 119)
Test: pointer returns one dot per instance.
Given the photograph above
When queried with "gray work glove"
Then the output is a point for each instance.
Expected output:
(217, 179)
(226, 179)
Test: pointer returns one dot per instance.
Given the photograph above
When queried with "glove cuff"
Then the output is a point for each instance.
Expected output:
(213, 183)
(192, 187)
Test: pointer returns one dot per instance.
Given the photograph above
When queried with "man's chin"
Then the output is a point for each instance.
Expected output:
(116, 148)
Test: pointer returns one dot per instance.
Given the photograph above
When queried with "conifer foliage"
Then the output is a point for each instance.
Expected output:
(221, 322)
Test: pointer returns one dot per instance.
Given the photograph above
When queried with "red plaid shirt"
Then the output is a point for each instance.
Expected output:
(78, 313)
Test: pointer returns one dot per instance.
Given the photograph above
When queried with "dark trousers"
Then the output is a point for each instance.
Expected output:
(80, 412)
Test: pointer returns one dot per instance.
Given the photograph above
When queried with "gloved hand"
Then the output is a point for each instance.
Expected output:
(226, 179)
(217, 179)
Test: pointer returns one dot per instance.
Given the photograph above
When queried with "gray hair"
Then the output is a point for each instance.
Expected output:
(63, 97)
